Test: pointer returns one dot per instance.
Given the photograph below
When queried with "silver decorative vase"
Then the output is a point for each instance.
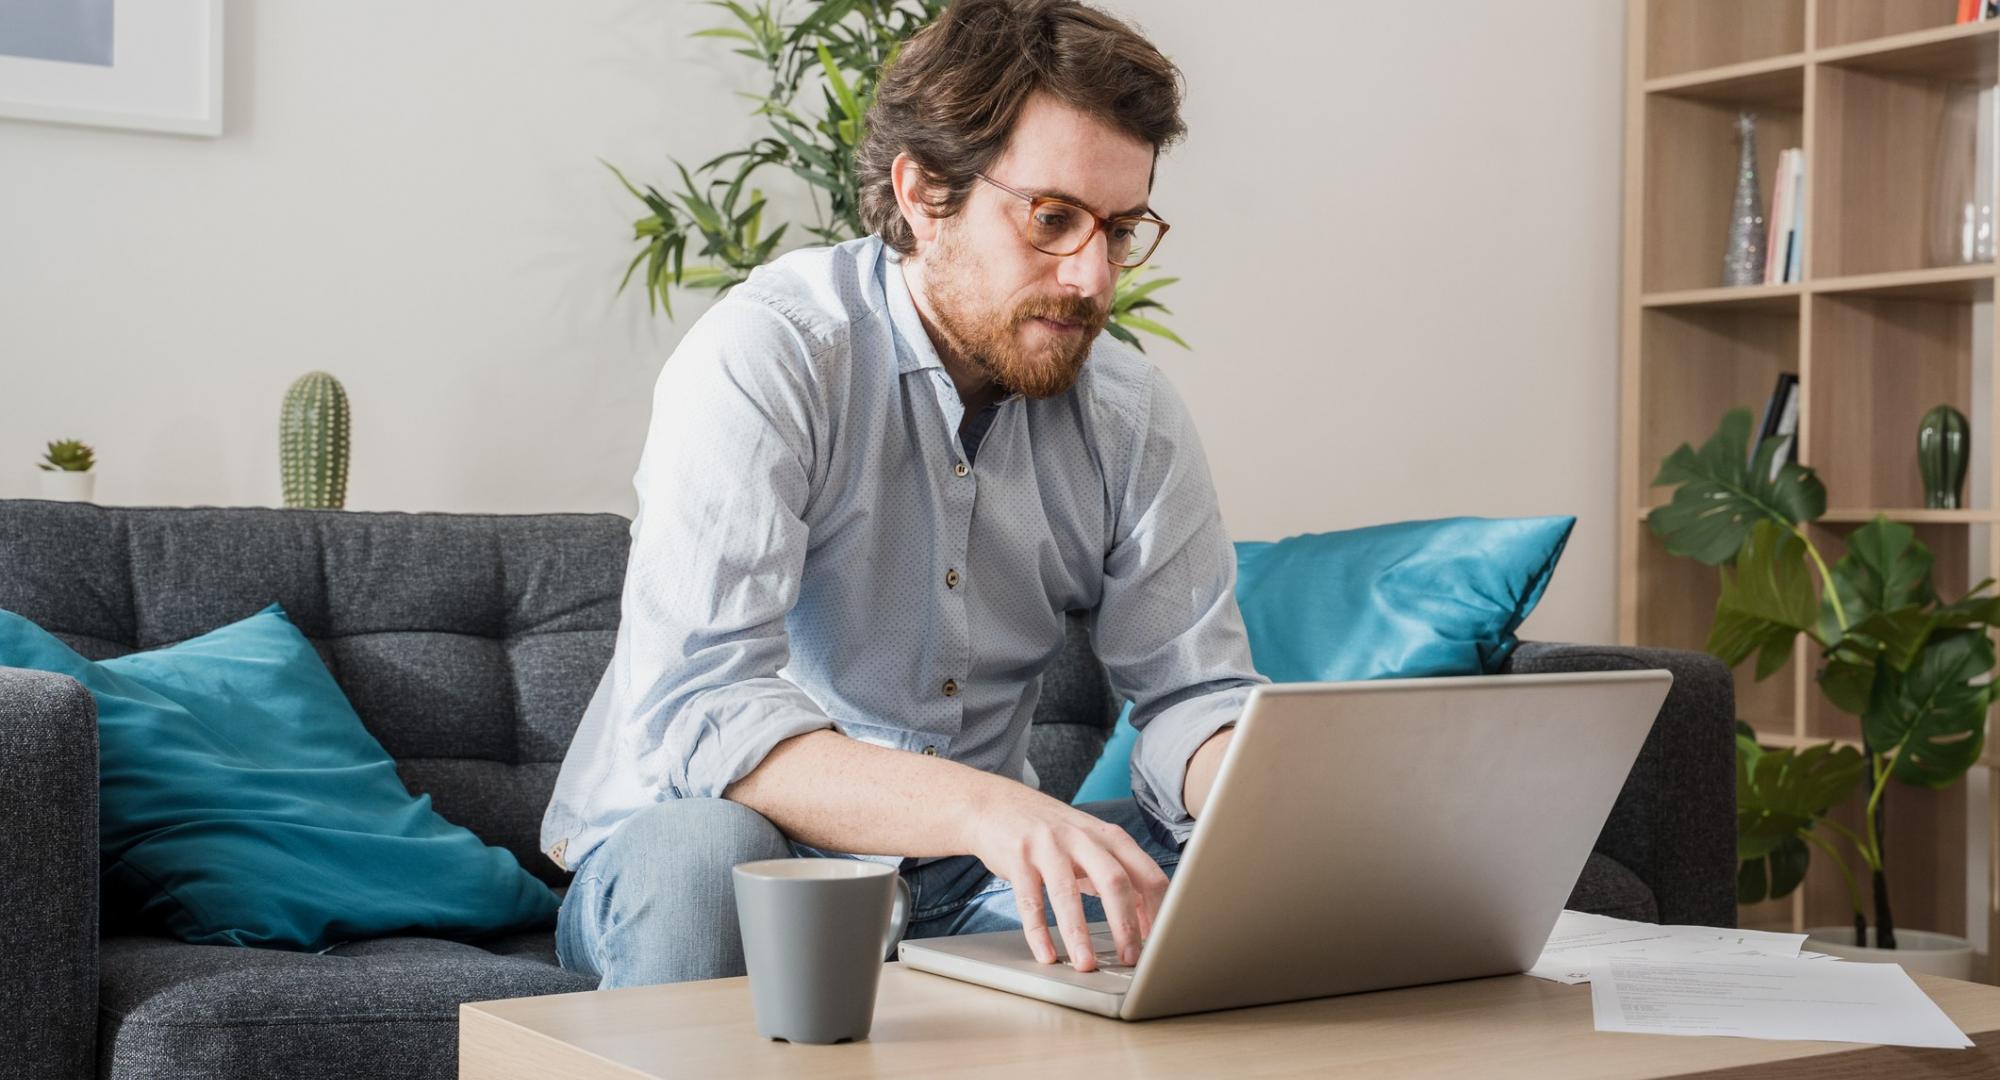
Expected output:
(1743, 258)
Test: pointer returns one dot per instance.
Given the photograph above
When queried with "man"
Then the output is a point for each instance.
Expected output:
(834, 626)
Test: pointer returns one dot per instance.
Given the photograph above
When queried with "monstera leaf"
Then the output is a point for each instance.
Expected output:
(1722, 496)
(1932, 715)
(1779, 795)
(1773, 876)
(1886, 568)
(1766, 602)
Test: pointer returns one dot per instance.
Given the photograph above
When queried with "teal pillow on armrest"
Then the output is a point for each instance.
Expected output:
(1415, 598)
(241, 801)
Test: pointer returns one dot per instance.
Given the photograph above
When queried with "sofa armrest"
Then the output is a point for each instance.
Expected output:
(1674, 824)
(49, 869)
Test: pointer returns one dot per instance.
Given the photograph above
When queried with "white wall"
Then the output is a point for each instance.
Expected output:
(1398, 235)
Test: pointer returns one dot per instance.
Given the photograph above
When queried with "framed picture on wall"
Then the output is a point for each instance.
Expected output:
(150, 65)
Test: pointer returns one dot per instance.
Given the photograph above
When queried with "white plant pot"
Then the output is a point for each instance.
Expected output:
(66, 486)
(1916, 950)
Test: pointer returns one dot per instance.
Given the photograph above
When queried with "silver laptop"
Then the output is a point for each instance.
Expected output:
(1363, 836)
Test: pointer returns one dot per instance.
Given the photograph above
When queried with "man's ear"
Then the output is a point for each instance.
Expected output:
(911, 185)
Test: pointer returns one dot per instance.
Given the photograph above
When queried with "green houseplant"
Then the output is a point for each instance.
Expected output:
(829, 50)
(1889, 651)
(67, 455)
(66, 471)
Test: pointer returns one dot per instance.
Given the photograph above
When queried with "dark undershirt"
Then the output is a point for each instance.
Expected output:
(972, 429)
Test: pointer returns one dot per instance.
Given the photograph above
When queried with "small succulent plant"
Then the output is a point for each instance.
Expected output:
(68, 455)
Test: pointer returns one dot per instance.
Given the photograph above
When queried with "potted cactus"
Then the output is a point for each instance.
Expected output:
(312, 443)
(66, 471)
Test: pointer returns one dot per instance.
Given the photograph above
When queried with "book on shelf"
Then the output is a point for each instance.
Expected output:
(1978, 10)
(1795, 248)
(1781, 420)
(1783, 224)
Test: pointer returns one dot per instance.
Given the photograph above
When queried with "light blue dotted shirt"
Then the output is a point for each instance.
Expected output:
(813, 549)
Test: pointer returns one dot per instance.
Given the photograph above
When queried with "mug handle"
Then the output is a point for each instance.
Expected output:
(899, 919)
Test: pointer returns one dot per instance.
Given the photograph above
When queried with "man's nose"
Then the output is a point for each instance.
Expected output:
(1089, 270)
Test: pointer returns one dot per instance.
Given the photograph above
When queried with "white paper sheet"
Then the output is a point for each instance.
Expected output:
(1566, 957)
(1765, 997)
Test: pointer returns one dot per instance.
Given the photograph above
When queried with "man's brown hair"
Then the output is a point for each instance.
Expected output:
(952, 95)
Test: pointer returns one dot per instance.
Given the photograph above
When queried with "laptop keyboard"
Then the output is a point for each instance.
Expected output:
(1107, 955)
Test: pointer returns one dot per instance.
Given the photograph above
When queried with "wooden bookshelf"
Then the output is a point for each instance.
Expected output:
(1878, 331)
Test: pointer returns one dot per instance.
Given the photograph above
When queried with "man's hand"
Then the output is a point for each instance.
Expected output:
(1036, 842)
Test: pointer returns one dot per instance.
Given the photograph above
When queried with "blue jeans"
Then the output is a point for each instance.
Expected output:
(655, 903)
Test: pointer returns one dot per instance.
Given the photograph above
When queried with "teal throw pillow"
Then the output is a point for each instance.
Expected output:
(243, 802)
(1415, 598)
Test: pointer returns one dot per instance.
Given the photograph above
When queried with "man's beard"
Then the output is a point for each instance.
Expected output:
(992, 340)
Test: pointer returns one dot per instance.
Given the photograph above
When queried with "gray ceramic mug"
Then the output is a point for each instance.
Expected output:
(816, 933)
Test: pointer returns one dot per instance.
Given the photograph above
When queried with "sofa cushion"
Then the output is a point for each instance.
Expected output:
(244, 803)
(459, 638)
(1606, 887)
(1405, 600)
(387, 1007)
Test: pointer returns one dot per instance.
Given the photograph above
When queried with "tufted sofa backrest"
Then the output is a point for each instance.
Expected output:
(468, 643)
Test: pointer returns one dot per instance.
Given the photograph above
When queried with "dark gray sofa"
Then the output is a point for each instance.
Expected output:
(469, 644)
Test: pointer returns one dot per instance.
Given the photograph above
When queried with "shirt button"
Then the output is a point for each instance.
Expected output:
(931, 750)
(951, 688)
(951, 579)
(960, 469)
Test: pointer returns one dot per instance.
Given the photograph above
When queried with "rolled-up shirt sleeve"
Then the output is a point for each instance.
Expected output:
(1167, 626)
(718, 549)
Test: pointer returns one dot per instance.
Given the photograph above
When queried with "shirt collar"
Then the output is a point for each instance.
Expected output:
(914, 350)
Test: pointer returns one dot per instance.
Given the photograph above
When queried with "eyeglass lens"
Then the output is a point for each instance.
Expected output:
(1062, 230)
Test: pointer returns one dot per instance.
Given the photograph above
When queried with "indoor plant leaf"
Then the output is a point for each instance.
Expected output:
(1130, 290)
(1886, 568)
(1972, 609)
(838, 82)
(1136, 322)
(1779, 795)
(1766, 601)
(1932, 716)
(1848, 680)
(1773, 876)
(1721, 496)
(1899, 635)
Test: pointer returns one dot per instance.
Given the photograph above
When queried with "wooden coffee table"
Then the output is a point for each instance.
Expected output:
(926, 1025)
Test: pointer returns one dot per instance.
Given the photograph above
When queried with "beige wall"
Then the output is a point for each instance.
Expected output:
(1397, 232)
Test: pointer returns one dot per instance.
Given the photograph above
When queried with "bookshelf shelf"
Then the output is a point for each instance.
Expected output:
(1886, 324)
(1862, 22)
(1855, 515)
(1965, 52)
(1961, 283)
(1775, 81)
(1910, 516)
(1738, 297)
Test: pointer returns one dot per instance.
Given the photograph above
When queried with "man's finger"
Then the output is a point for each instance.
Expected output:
(1060, 880)
(1113, 886)
(1034, 922)
(1148, 880)
(1151, 883)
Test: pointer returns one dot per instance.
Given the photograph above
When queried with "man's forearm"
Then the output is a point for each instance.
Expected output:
(827, 790)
